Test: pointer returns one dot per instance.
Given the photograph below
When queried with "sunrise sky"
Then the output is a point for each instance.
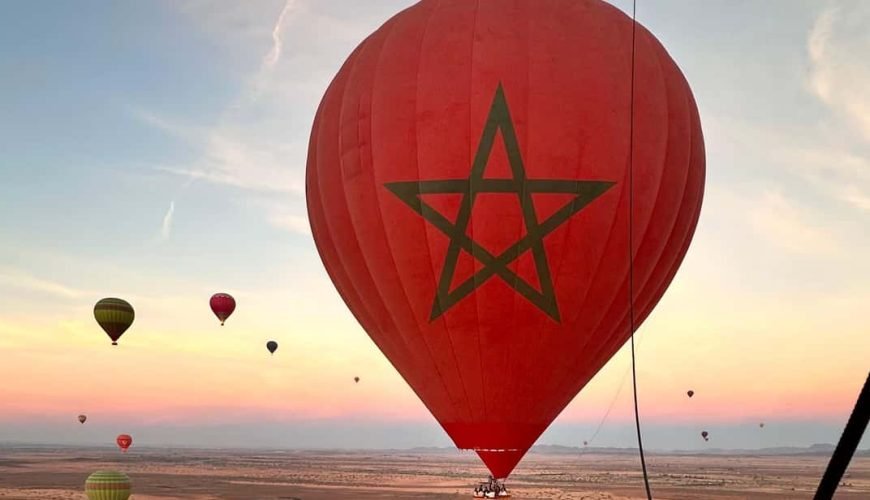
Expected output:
(155, 151)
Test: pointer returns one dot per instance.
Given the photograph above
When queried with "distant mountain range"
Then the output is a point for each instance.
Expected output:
(550, 449)
(816, 449)
(821, 449)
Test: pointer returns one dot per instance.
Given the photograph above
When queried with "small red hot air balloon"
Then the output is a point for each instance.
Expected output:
(704, 435)
(124, 441)
(690, 393)
(82, 418)
(222, 305)
(501, 197)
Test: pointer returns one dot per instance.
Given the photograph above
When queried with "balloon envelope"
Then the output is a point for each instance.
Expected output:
(124, 441)
(222, 305)
(82, 418)
(690, 393)
(469, 191)
(115, 316)
(108, 485)
(272, 346)
(356, 379)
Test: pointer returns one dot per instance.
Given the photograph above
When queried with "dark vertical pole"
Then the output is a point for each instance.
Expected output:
(631, 252)
(848, 444)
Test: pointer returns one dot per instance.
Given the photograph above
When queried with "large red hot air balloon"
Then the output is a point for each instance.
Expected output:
(222, 305)
(124, 441)
(473, 187)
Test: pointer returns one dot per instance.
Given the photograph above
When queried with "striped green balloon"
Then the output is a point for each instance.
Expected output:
(115, 316)
(108, 485)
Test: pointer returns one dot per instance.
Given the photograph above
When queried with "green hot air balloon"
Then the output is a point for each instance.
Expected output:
(115, 316)
(108, 485)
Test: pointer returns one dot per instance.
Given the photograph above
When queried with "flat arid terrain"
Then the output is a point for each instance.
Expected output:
(49, 473)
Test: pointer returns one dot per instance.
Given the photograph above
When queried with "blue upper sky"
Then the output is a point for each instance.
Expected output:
(106, 105)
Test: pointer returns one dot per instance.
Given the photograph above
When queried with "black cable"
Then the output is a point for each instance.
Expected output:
(849, 441)
(631, 251)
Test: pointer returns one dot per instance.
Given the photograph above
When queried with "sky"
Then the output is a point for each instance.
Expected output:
(156, 151)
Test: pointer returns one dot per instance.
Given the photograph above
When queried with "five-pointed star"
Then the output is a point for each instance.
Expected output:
(410, 193)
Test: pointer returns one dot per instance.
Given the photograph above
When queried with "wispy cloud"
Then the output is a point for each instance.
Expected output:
(275, 54)
(14, 278)
(839, 73)
(831, 155)
(856, 197)
(783, 223)
(166, 227)
(174, 128)
(259, 142)
(291, 222)
(248, 163)
(235, 23)
(839, 76)
(840, 172)
(249, 148)
(826, 167)
(817, 45)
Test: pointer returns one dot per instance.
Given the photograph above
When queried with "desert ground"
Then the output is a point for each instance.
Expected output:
(45, 473)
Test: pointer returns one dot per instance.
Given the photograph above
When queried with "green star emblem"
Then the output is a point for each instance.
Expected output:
(410, 193)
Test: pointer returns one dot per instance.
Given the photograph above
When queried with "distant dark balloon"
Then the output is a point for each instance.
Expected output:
(691, 393)
(356, 379)
(704, 435)
(222, 305)
(82, 418)
(585, 443)
(115, 316)
(272, 346)
(124, 441)
(761, 425)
